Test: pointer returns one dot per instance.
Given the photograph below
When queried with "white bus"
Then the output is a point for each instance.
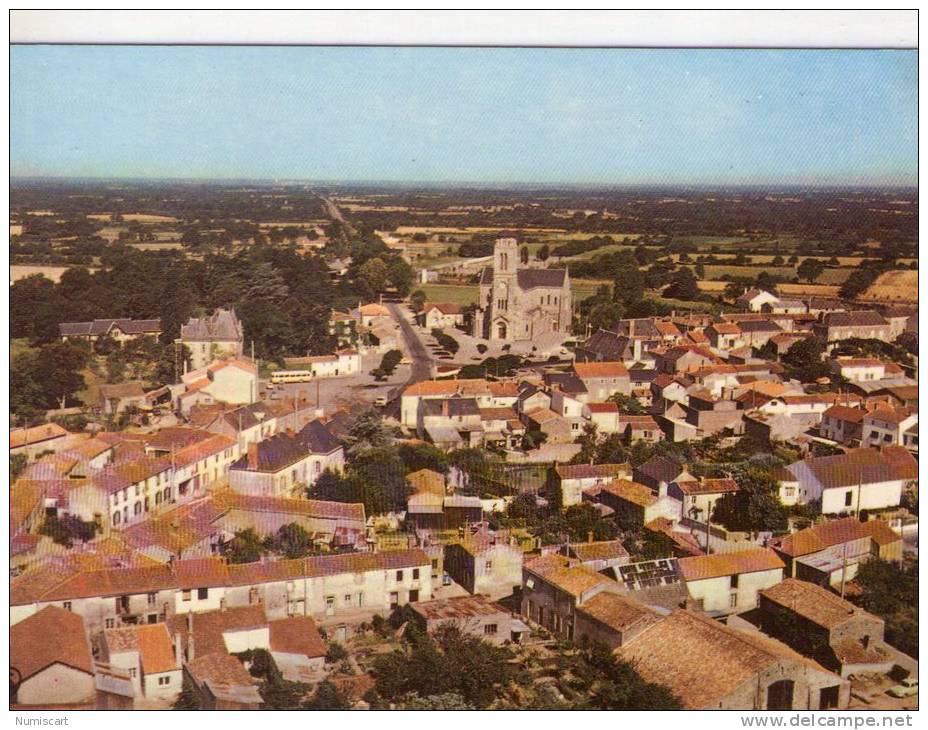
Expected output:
(291, 376)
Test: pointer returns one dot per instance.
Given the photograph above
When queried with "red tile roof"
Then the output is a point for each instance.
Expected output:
(722, 564)
(51, 636)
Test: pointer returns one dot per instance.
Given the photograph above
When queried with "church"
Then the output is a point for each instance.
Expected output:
(521, 303)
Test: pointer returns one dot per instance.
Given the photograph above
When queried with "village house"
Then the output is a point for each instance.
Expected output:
(685, 358)
(605, 416)
(116, 398)
(602, 380)
(221, 682)
(726, 583)
(817, 623)
(858, 368)
(553, 587)
(47, 437)
(753, 300)
(149, 656)
(890, 426)
(639, 428)
(495, 394)
(324, 586)
(371, 313)
(474, 615)
(843, 425)
(233, 381)
(612, 619)
(212, 337)
(339, 364)
(860, 479)
(570, 481)
(635, 504)
(556, 428)
(489, 565)
(442, 315)
(597, 555)
(724, 336)
(864, 324)
(699, 497)
(710, 666)
(120, 330)
(829, 553)
(286, 463)
(52, 657)
(660, 470)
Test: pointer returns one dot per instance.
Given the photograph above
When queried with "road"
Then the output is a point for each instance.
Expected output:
(334, 212)
(421, 361)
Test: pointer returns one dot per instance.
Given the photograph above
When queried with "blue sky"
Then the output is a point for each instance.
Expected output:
(481, 115)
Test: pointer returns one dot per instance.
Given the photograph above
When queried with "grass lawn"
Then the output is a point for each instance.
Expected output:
(462, 294)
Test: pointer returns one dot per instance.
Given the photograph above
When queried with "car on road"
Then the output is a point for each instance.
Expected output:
(405, 361)
(908, 687)
(380, 401)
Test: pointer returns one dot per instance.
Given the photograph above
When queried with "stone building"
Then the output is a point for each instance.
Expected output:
(521, 303)
(208, 338)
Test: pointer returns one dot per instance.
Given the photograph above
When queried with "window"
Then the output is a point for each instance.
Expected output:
(347, 599)
(66, 605)
(116, 518)
(151, 598)
(185, 595)
(848, 496)
(734, 581)
(110, 623)
(415, 574)
(137, 509)
(413, 596)
(164, 681)
(790, 491)
(488, 565)
(330, 601)
(489, 629)
(132, 672)
(202, 593)
(399, 575)
(733, 600)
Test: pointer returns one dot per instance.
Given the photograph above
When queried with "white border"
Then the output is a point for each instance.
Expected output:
(638, 28)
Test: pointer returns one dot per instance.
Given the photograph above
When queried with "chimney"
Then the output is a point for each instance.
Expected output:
(662, 490)
(178, 651)
(253, 456)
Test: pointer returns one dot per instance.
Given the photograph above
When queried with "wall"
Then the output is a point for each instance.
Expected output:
(57, 685)
(715, 593)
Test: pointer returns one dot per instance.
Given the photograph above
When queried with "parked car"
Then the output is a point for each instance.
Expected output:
(445, 579)
(380, 401)
(908, 687)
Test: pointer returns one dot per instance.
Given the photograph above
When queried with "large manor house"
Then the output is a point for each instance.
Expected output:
(521, 303)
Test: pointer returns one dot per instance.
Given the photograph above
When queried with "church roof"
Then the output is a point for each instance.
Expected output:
(530, 278)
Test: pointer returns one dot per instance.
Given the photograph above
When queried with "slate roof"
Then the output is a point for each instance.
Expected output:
(606, 344)
(220, 326)
(661, 469)
(861, 318)
(759, 326)
(567, 382)
(540, 278)
(99, 327)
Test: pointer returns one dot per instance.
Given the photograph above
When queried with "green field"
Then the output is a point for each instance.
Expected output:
(462, 294)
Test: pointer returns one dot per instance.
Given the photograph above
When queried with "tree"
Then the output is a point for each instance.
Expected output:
(543, 252)
(445, 701)
(683, 285)
(803, 360)
(188, 699)
(245, 547)
(606, 316)
(417, 300)
(890, 591)
(810, 269)
(374, 273)
(755, 506)
(291, 541)
(328, 697)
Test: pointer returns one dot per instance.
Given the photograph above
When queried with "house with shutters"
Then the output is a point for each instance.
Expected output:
(214, 336)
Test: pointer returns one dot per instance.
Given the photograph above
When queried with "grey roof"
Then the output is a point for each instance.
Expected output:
(660, 469)
(318, 438)
(608, 345)
(455, 407)
(275, 453)
(759, 326)
(101, 326)
(568, 382)
(861, 318)
(222, 325)
(638, 328)
(534, 278)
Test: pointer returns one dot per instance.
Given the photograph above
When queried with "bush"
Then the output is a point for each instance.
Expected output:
(335, 653)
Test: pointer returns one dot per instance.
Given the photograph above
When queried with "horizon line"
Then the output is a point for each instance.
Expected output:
(465, 183)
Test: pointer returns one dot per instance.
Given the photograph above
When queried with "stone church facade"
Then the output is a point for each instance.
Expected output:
(521, 303)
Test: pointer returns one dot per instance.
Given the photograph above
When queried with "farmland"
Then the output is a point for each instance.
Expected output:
(893, 286)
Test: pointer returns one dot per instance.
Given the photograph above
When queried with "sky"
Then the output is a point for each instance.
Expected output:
(587, 116)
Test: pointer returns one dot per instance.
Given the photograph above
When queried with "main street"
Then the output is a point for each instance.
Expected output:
(415, 350)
